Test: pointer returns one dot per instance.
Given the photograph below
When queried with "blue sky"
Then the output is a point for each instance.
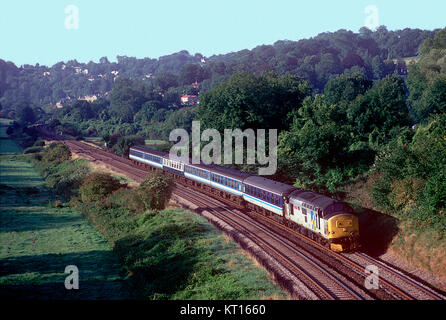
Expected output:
(35, 32)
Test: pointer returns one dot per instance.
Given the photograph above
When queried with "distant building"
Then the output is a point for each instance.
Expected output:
(89, 98)
(189, 100)
(196, 85)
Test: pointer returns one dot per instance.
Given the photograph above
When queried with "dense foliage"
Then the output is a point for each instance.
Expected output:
(97, 186)
(316, 60)
(61, 173)
(411, 179)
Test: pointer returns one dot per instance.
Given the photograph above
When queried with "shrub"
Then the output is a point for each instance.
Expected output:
(65, 178)
(155, 191)
(56, 153)
(97, 186)
(123, 144)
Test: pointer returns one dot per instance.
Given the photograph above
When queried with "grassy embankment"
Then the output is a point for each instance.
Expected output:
(420, 246)
(167, 254)
(37, 241)
(174, 253)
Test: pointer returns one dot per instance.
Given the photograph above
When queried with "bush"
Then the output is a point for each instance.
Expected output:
(56, 153)
(155, 191)
(123, 144)
(97, 186)
(65, 178)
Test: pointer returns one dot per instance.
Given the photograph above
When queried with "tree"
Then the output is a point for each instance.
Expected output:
(147, 111)
(249, 101)
(81, 111)
(328, 65)
(125, 100)
(56, 153)
(124, 144)
(345, 88)
(24, 114)
(379, 110)
(166, 80)
(434, 98)
(97, 186)
(155, 191)
(317, 145)
(191, 73)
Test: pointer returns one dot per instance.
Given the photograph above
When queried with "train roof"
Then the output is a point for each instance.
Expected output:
(269, 185)
(151, 151)
(229, 172)
(232, 173)
(317, 200)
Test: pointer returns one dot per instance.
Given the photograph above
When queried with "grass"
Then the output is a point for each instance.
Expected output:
(155, 142)
(421, 247)
(175, 254)
(38, 241)
(7, 146)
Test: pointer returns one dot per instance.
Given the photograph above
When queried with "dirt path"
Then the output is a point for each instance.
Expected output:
(38, 241)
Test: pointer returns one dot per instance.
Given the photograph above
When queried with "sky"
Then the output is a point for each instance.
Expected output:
(49, 31)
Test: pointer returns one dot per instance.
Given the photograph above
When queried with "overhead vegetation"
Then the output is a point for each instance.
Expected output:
(142, 96)
(427, 79)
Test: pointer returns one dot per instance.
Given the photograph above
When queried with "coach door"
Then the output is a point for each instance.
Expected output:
(287, 207)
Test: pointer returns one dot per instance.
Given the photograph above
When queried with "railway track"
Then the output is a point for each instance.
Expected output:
(396, 282)
(322, 280)
(322, 275)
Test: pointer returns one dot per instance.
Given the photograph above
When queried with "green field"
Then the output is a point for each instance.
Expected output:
(155, 142)
(7, 146)
(38, 241)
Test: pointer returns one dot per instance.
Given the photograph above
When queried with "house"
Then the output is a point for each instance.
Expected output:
(189, 100)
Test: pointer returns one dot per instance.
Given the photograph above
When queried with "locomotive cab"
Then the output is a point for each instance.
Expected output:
(343, 232)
